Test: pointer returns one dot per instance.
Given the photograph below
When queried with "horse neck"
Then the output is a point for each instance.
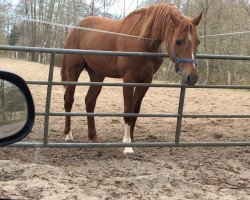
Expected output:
(164, 36)
(154, 45)
(153, 23)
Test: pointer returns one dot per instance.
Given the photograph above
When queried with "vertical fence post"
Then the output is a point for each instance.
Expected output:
(48, 98)
(180, 112)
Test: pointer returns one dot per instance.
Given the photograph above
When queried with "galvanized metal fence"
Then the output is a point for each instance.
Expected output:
(179, 115)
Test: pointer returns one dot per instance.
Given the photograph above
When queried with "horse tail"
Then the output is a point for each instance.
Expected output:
(63, 69)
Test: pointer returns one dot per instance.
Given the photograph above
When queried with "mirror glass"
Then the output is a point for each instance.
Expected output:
(13, 109)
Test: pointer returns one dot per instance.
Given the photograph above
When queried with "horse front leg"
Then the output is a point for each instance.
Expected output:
(138, 97)
(128, 108)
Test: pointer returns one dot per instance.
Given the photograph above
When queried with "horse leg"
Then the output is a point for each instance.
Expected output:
(72, 75)
(128, 108)
(90, 101)
(138, 96)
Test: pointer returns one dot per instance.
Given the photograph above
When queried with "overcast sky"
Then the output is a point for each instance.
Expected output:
(118, 7)
(130, 5)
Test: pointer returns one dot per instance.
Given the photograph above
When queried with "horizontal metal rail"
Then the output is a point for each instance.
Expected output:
(114, 53)
(109, 145)
(138, 84)
(98, 114)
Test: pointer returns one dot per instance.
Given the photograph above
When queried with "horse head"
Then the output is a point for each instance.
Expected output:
(183, 47)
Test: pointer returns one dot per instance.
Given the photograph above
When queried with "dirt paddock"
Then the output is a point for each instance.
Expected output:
(151, 173)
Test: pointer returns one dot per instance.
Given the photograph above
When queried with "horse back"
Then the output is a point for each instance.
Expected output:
(110, 66)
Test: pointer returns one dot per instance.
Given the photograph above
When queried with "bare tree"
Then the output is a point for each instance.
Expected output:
(246, 5)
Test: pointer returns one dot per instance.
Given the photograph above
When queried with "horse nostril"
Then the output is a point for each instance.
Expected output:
(177, 69)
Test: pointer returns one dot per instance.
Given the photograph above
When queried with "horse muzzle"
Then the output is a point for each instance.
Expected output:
(190, 79)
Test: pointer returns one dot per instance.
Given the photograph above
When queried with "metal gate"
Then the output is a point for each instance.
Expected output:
(179, 115)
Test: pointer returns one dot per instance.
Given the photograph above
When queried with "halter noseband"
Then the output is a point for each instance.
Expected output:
(180, 60)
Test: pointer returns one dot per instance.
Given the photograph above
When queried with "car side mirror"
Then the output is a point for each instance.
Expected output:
(17, 112)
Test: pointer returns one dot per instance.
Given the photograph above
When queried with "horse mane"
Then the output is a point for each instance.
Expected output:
(155, 22)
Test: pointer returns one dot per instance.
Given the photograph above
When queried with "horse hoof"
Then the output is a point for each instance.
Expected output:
(92, 138)
(69, 137)
(128, 150)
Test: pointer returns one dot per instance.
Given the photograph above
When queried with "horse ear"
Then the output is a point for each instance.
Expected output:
(174, 19)
(197, 19)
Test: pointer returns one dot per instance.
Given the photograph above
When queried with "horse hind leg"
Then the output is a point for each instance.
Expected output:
(73, 72)
(90, 101)
(68, 102)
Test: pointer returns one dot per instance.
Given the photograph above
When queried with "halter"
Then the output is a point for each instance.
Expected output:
(178, 60)
(181, 60)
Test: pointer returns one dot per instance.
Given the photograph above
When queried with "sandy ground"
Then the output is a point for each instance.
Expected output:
(151, 173)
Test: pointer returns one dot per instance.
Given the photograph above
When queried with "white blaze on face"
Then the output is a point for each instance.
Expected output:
(190, 39)
(193, 59)
(127, 139)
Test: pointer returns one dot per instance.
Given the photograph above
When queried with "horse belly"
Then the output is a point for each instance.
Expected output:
(103, 65)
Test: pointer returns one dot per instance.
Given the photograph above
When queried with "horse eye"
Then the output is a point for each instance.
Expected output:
(179, 42)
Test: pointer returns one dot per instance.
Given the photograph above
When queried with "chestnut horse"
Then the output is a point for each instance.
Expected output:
(155, 25)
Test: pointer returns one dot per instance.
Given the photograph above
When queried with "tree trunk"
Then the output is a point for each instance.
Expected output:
(229, 78)
(207, 72)
(168, 70)
(205, 10)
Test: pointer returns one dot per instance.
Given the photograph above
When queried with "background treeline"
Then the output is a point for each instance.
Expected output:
(219, 16)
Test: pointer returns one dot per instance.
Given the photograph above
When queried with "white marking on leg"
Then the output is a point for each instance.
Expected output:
(69, 137)
(127, 139)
